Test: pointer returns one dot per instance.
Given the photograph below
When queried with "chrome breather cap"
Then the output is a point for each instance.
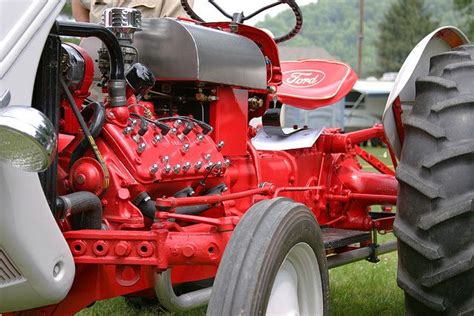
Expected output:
(123, 22)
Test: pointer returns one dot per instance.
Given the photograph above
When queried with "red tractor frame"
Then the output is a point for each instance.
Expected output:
(165, 184)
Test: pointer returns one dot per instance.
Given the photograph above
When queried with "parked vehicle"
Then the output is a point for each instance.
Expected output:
(163, 183)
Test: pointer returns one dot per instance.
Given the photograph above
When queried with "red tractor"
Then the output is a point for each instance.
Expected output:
(160, 187)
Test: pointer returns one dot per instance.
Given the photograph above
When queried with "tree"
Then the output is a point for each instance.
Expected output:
(466, 8)
(405, 23)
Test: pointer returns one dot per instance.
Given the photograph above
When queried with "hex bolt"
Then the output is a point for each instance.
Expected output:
(186, 166)
(178, 123)
(199, 138)
(227, 162)
(154, 168)
(207, 156)
(122, 249)
(174, 131)
(218, 165)
(141, 148)
(158, 138)
(167, 169)
(134, 123)
(177, 168)
(165, 159)
(127, 130)
(185, 148)
(209, 165)
(220, 145)
(198, 165)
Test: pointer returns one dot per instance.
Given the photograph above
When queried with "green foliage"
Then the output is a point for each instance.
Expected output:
(67, 9)
(466, 8)
(404, 24)
(334, 25)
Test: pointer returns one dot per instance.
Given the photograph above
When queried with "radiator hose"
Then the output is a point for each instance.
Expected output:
(148, 206)
(85, 208)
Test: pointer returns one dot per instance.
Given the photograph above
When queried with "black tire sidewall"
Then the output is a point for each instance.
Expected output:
(292, 224)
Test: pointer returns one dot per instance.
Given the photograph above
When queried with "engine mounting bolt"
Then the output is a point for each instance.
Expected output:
(177, 168)
(186, 166)
(141, 148)
(177, 123)
(227, 162)
(154, 168)
(167, 169)
(200, 138)
(158, 138)
(122, 249)
(218, 165)
(173, 131)
(185, 148)
(198, 165)
(220, 144)
(207, 156)
(127, 130)
(165, 159)
(209, 165)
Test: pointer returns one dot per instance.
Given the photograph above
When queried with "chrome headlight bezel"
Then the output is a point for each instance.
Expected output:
(33, 131)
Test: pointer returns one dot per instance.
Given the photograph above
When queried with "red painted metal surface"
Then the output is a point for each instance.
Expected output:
(123, 259)
(312, 83)
(68, 123)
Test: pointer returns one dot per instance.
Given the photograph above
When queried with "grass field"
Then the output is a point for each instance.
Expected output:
(361, 288)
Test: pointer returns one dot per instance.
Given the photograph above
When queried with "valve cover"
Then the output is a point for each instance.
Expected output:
(180, 50)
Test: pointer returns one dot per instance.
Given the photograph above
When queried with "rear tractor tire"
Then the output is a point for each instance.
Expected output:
(435, 216)
(274, 264)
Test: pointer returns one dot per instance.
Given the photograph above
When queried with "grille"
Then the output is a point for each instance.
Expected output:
(9, 274)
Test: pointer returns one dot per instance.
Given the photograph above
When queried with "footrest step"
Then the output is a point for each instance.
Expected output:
(336, 237)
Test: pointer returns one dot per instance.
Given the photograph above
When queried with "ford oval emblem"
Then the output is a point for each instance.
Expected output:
(305, 78)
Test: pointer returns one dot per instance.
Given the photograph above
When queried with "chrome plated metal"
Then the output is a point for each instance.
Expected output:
(28, 139)
(186, 166)
(184, 302)
(123, 22)
(198, 165)
(154, 168)
(141, 148)
(180, 50)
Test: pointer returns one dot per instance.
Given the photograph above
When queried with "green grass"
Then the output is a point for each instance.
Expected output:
(360, 288)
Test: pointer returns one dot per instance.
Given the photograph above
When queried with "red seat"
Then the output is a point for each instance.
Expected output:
(313, 83)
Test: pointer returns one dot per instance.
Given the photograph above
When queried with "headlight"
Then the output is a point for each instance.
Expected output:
(27, 138)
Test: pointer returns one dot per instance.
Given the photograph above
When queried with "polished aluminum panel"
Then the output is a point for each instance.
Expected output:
(180, 50)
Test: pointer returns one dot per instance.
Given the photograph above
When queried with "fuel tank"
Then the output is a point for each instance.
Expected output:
(180, 50)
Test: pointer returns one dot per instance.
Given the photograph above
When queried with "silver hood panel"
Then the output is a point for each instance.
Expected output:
(179, 50)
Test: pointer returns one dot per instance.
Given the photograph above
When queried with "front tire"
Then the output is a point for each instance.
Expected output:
(275, 261)
(435, 218)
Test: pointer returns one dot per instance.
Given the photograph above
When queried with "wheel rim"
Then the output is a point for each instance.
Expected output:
(297, 289)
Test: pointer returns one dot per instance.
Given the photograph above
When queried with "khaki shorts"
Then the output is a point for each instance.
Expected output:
(149, 8)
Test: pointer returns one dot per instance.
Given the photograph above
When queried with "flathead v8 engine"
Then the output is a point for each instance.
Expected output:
(161, 181)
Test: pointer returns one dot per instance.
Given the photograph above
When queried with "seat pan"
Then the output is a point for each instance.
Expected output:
(314, 83)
